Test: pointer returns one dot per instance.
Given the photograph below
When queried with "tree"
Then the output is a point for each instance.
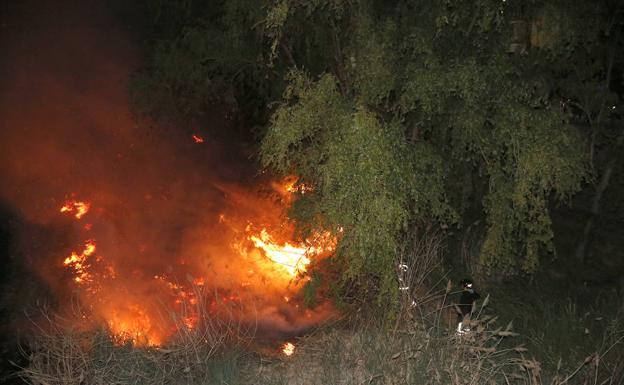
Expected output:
(408, 114)
(437, 79)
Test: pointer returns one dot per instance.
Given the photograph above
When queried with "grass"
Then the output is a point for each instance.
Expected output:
(63, 355)
(564, 337)
(552, 347)
(420, 353)
(561, 328)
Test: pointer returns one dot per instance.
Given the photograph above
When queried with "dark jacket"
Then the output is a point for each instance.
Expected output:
(466, 301)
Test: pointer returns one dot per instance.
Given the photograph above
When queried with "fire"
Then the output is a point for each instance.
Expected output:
(291, 185)
(292, 258)
(268, 265)
(301, 188)
(78, 262)
(81, 208)
(132, 324)
(198, 139)
(288, 349)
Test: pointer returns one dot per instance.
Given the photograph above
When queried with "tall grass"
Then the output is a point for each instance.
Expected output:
(554, 344)
(429, 353)
(67, 351)
(421, 350)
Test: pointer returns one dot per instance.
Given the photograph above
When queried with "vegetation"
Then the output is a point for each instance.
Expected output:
(421, 349)
(413, 115)
(435, 136)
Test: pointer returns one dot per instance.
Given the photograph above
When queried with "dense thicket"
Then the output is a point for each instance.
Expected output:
(406, 115)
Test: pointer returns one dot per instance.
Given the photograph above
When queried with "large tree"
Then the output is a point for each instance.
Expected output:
(411, 114)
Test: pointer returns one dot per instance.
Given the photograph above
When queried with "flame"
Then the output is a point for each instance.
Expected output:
(78, 262)
(300, 188)
(81, 208)
(132, 324)
(266, 262)
(288, 349)
(290, 185)
(292, 258)
(198, 139)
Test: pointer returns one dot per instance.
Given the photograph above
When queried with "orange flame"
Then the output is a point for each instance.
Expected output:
(78, 262)
(81, 208)
(132, 324)
(198, 139)
(291, 258)
(274, 260)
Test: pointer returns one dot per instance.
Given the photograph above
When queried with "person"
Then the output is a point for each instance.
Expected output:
(468, 297)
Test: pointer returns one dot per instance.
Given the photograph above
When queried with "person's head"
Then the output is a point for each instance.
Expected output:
(467, 285)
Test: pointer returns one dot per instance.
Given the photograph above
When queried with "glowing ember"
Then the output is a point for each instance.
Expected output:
(288, 349)
(292, 258)
(80, 208)
(198, 139)
(301, 188)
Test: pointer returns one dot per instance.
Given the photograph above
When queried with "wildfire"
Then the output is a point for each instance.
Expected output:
(288, 349)
(132, 324)
(266, 258)
(289, 186)
(78, 262)
(81, 208)
(291, 258)
(198, 139)
(301, 188)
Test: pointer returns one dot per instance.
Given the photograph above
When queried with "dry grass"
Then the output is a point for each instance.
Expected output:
(420, 349)
(425, 354)
(418, 352)
(67, 351)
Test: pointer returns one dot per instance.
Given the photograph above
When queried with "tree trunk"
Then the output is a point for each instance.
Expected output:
(581, 249)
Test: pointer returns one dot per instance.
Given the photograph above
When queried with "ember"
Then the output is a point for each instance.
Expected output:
(288, 349)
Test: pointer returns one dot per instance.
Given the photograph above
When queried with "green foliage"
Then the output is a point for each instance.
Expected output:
(371, 59)
(407, 115)
(364, 173)
(310, 290)
(442, 78)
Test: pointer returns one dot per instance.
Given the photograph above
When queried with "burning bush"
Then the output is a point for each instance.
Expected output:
(249, 258)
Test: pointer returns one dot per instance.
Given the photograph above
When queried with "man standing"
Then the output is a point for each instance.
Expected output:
(468, 297)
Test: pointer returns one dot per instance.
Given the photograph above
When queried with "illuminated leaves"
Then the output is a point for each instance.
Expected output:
(367, 178)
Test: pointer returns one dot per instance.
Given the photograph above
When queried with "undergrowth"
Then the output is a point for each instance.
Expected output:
(420, 349)
(553, 344)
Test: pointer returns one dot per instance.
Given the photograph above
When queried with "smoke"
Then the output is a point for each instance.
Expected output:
(163, 215)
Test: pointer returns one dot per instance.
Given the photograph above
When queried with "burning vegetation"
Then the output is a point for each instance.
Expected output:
(144, 226)
(266, 267)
